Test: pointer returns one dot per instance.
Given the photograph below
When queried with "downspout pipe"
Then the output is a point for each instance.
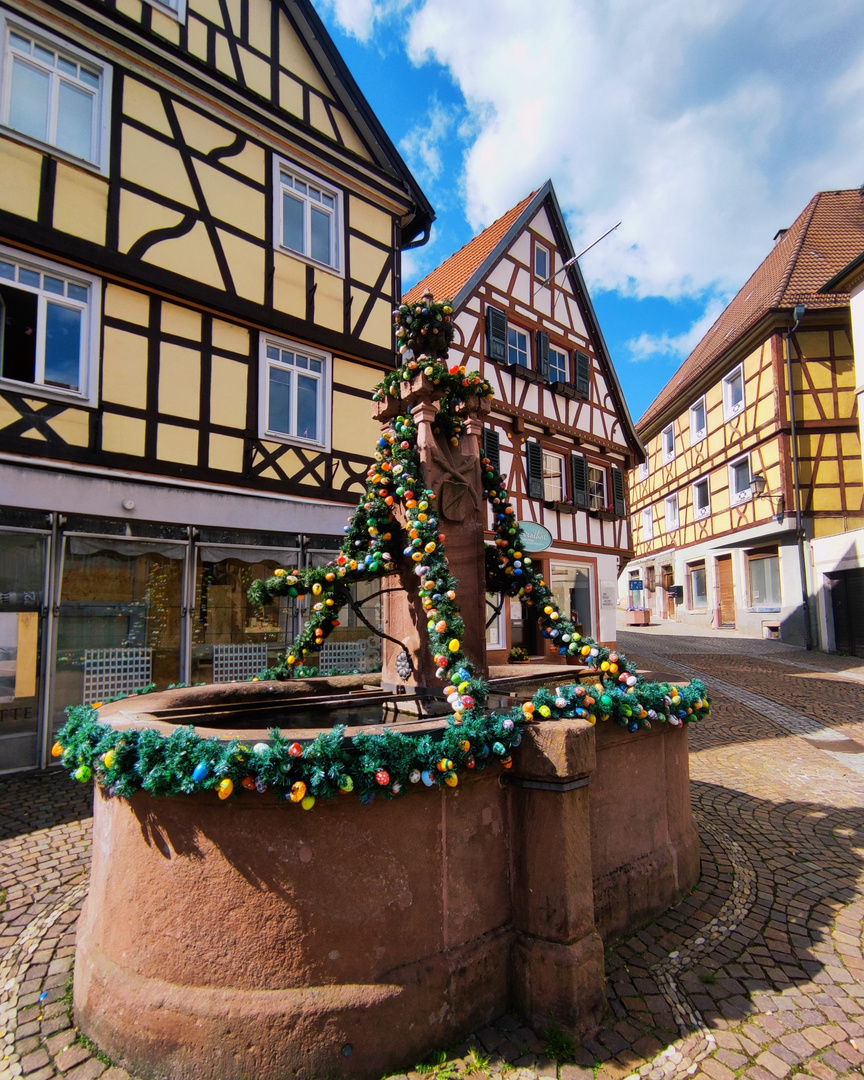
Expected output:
(798, 315)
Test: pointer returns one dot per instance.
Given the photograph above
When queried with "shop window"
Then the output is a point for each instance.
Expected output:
(296, 383)
(49, 327)
(763, 579)
(54, 94)
(697, 586)
(309, 216)
(571, 586)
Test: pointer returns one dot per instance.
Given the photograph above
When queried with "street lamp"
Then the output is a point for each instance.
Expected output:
(758, 486)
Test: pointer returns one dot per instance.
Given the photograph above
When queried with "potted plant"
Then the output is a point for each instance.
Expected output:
(604, 513)
(517, 655)
(638, 617)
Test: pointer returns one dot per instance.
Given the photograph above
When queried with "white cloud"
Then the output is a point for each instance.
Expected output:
(422, 145)
(360, 17)
(703, 127)
(676, 346)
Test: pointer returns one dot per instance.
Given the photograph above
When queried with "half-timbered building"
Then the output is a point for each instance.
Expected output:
(559, 427)
(200, 231)
(754, 452)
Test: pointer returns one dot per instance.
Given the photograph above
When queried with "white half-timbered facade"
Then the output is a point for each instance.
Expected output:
(559, 428)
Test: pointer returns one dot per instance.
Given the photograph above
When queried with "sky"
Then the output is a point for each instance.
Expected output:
(703, 127)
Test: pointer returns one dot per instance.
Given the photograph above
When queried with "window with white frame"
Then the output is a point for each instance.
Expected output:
(517, 347)
(557, 365)
(739, 480)
(697, 421)
(49, 327)
(554, 485)
(668, 440)
(647, 524)
(701, 499)
(697, 586)
(670, 508)
(309, 216)
(177, 8)
(643, 470)
(541, 262)
(54, 94)
(733, 392)
(296, 393)
(763, 579)
(596, 488)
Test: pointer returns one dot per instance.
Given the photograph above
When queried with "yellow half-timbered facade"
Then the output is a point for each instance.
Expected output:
(753, 447)
(559, 426)
(201, 222)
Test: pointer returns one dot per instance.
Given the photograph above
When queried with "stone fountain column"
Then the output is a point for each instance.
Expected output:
(453, 474)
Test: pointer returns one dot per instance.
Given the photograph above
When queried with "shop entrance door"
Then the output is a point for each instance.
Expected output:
(23, 559)
(670, 611)
(725, 591)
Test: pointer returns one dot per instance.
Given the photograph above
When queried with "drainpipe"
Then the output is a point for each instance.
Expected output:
(800, 537)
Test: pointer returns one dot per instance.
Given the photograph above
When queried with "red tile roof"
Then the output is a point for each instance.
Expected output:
(445, 281)
(822, 240)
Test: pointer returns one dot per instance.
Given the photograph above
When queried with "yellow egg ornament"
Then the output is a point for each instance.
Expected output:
(454, 645)
(226, 786)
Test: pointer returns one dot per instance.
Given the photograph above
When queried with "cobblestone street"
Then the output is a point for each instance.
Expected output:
(758, 973)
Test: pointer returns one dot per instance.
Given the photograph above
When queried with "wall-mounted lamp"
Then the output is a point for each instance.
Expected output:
(758, 486)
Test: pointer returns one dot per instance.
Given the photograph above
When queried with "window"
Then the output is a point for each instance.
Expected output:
(647, 524)
(643, 470)
(309, 216)
(697, 586)
(55, 94)
(49, 326)
(554, 489)
(697, 421)
(739, 480)
(557, 365)
(701, 499)
(177, 8)
(763, 578)
(295, 404)
(517, 347)
(670, 507)
(541, 262)
(596, 488)
(668, 439)
(733, 393)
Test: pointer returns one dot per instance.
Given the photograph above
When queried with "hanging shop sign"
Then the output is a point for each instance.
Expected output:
(534, 537)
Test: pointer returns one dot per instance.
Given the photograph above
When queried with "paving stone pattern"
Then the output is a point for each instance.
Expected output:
(759, 973)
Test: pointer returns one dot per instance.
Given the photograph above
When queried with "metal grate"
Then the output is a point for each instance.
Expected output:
(232, 662)
(109, 672)
(349, 655)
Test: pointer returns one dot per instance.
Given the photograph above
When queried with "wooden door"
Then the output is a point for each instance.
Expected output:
(668, 582)
(725, 591)
(847, 605)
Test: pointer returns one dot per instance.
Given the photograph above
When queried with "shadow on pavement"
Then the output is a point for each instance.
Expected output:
(39, 800)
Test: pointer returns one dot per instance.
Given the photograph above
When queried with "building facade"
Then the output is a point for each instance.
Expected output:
(200, 232)
(753, 447)
(559, 427)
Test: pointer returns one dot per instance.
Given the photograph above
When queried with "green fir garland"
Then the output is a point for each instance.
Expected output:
(387, 763)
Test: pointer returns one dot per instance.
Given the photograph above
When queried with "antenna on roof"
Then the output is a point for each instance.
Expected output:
(575, 259)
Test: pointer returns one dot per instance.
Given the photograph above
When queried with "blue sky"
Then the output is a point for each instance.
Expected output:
(704, 128)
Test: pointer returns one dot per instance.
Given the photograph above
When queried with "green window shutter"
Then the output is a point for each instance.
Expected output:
(543, 354)
(534, 456)
(496, 335)
(492, 448)
(582, 374)
(579, 480)
(618, 492)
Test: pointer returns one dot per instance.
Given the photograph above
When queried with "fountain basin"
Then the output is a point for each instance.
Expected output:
(252, 938)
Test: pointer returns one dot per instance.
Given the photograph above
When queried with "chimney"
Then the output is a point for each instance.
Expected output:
(778, 236)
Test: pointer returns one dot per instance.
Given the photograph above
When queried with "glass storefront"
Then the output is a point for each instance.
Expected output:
(572, 588)
(89, 612)
(23, 561)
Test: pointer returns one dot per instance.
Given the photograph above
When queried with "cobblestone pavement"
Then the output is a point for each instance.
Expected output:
(759, 973)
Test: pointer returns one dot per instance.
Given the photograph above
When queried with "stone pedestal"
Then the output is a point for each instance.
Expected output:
(453, 474)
